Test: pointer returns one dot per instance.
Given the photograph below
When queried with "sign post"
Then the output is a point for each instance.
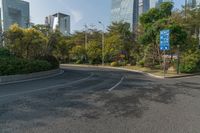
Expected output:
(164, 44)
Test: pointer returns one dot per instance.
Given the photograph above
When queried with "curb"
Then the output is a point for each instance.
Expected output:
(29, 77)
(125, 69)
(116, 68)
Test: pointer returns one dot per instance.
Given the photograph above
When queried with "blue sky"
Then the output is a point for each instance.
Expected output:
(82, 11)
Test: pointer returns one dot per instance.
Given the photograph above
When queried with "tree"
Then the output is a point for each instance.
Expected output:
(13, 40)
(25, 43)
(152, 23)
(119, 42)
(34, 43)
(78, 54)
(94, 52)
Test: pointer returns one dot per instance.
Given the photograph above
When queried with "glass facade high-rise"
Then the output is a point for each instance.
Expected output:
(128, 11)
(158, 2)
(14, 11)
(193, 3)
(122, 10)
(60, 22)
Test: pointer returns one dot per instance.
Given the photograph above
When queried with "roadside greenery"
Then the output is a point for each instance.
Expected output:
(122, 45)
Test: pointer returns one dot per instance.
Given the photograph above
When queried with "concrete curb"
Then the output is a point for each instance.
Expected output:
(125, 69)
(29, 77)
(116, 68)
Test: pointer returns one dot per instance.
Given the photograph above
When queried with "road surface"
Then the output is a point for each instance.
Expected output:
(83, 100)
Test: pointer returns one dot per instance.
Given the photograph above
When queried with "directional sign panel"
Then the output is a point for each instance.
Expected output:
(165, 40)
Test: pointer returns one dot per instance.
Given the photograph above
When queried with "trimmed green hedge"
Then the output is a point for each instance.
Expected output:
(4, 52)
(51, 59)
(190, 62)
(13, 66)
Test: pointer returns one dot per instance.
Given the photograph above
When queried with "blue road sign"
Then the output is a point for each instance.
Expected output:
(165, 40)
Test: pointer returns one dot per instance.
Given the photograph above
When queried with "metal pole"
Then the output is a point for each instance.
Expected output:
(199, 36)
(86, 38)
(164, 65)
(186, 4)
(178, 60)
(103, 40)
(103, 44)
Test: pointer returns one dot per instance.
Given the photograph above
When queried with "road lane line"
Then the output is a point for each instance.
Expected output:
(45, 77)
(48, 88)
(116, 85)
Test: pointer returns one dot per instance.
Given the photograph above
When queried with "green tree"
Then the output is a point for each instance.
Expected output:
(152, 23)
(78, 54)
(34, 43)
(119, 42)
(94, 52)
(13, 40)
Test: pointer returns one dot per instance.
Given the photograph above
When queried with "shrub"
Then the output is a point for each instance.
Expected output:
(190, 62)
(13, 66)
(79, 62)
(141, 63)
(4, 52)
(51, 59)
(114, 64)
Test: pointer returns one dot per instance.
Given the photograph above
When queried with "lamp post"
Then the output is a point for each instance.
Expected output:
(103, 43)
(199, 36)
(178, 59)
(86, 37)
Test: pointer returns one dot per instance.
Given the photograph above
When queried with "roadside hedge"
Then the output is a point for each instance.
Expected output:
(13, 66)
(190, 62)
(4, 52)
(51, 59)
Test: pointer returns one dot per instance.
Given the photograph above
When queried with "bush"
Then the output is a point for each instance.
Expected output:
(4, 52)
(51, 59)
(13, 66)
(141, 63)
(78, 62)
(190, 63)
(114, 64)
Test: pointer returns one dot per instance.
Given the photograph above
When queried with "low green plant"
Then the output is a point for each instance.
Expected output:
(190, 62)
(4, 52)
(114, 64)
(13, 66)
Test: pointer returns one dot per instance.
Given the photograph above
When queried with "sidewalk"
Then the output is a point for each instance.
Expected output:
(145, 71)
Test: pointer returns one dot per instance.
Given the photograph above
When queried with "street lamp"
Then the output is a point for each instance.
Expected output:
(103, 43)
(178, 59)
(86, 37)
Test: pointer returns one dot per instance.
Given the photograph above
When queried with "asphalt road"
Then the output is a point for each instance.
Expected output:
(84, 100)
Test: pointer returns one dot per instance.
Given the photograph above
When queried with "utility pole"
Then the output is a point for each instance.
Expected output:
(199, 37)
(86, 36)
(178, 59)
(103, 43)
(186, 5)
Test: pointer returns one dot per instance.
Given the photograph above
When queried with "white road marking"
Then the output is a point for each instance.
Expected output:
(33, 79)
(48, 88)
(122, 79)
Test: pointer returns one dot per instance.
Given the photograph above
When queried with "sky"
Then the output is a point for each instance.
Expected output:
(82, 12)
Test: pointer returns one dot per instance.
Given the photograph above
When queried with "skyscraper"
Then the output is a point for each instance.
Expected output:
(128, 11)
(60, 22)
(193, 3)
(14, 11)
(158, 2)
